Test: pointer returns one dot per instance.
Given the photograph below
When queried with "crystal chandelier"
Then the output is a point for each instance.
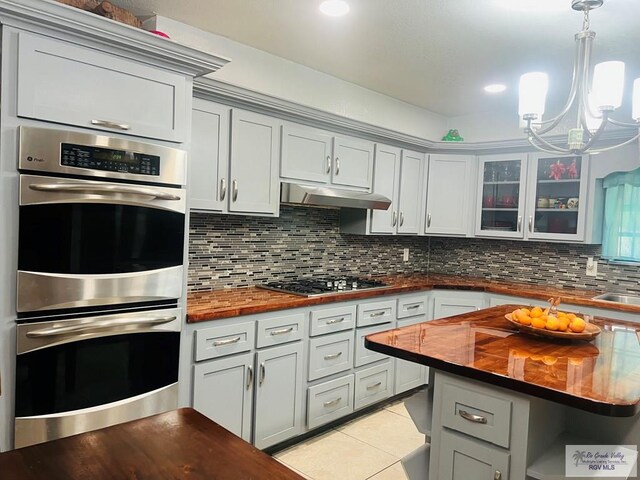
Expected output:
(595, 95)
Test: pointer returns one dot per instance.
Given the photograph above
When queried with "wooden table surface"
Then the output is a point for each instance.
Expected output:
(181, 444)
(601, 376)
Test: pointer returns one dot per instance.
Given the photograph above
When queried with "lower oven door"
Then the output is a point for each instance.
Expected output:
(78, 375)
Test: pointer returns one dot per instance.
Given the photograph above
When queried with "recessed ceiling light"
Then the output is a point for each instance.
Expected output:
(334, 8)
(495, 88)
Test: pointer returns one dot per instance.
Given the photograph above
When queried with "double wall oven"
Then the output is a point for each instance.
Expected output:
(100, 278)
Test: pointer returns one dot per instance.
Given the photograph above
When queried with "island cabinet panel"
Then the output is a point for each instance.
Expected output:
(223, 391)
(64, 83)
(462, 458)
(278, 401)
(409, 375)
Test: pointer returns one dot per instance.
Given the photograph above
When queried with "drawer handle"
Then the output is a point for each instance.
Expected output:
(377, 314)
(282, 331)
(374, 385)
(108, 124)
(332, 356)
(335, 320)
(249, 376)
(219, 343)
(471, 417)
(413, 307)
(331, 403)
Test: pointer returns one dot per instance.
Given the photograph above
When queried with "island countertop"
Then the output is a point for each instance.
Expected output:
(601, 376)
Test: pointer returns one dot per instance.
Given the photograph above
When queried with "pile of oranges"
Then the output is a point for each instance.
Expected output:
(539, 318)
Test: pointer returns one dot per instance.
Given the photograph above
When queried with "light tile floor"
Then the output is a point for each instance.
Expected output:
(367, 448)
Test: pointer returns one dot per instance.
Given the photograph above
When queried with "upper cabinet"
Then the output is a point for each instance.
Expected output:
(316, 156)
(233, 167)
(451, 188)
(125, 97)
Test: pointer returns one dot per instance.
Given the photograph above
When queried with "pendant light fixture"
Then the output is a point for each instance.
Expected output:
(594, 97)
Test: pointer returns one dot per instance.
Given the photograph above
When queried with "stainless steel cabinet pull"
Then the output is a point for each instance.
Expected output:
(108, 124)
(530, 223)
(471, 417)
(519, 222)
(497, 475)
(262, 373)
(377, 314)
(428, 219)
(102, 190)
(335, 320)
(332, 356)
(234, 186)
(54, 331)
(229, 341)
(282, 331)
(249, 376)
(401, 218)
(413, 307)
(328, 164)
(331, 403)
(374, 385)
(394, 219)
(337, 165)
(223, 188)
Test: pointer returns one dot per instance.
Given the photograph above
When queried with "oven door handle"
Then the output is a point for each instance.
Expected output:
(87, 327)
(102, 190)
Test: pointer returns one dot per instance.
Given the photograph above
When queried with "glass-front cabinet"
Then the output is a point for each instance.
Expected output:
(556, 197)
(501, 196)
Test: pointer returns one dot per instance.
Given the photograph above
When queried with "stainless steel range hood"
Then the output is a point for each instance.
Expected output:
(294, 193)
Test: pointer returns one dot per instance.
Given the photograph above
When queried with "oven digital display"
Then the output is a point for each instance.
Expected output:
(108, 159)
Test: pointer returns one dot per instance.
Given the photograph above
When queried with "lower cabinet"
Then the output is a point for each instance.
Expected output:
(329, 401)
(374, 384)
(462, 458)
(409, 375)
(456, 305)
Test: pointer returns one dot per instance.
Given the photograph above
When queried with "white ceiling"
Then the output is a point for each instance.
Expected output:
(437, 54)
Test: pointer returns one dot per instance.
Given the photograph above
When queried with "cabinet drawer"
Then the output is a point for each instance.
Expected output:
(462, 457)
(274, 331)
(330, 354)
(65, 83)
(330, 401)
(476, 413)
(373, 384)
(224, 340)
(376, 313)
(412, 306)
(364, 355)
(328, 320)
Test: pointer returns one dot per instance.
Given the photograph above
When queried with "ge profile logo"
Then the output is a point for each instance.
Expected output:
(29, 159)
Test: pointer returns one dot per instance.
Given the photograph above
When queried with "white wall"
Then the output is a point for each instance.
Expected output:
(266, 73)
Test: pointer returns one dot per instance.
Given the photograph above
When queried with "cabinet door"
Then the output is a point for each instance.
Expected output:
(462, 459)
(409, 374)
(253, 170)
(209, 156)
(278, 407)
(64, 83)
(447, 307)
(500, 205)
(222, 390)
(450, 191)
(385, 182)
(306, 154)
(410, 192)
(352, 163)
(557, 197)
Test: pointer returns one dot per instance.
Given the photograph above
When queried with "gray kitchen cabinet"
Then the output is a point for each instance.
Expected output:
(373, 384)
(278, 397)
(409, 375)
(233, 165)
(462, 458)
(451, 186)
(70, 84)
(223, 391)
(411, 174)
(316, 156)
(452, 303)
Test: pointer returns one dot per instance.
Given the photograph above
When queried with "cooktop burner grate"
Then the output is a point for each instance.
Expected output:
(310, 287)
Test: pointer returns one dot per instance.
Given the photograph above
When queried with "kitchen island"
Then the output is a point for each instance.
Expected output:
(507, 404)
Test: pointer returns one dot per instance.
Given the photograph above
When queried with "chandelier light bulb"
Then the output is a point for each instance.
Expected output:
(635, 109)
(533, 94)
(593, 123)
(608, 84)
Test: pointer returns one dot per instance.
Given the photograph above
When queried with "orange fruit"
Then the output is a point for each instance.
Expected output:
(536, 312)
(538, 322)
(526, 311)
(577, 325)
(514, 314)
(561, 314)
(552, 323)
(524, 319)
(564, 324)
(571, 316)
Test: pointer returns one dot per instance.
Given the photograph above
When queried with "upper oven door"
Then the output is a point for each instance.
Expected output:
(90, 243)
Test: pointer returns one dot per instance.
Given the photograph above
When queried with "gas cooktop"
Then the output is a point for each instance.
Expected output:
(311, 287)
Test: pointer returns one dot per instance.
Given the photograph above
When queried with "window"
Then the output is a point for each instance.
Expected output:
(621, 230)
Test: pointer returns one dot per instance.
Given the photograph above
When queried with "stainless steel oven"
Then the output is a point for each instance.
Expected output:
(102, 222)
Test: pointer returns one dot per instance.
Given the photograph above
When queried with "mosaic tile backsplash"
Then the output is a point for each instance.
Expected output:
(231, 251)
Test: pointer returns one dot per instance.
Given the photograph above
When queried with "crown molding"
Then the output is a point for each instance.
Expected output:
(234, 95)
(55, 19)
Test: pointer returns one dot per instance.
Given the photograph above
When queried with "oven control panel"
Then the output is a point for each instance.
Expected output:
(112, 160)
